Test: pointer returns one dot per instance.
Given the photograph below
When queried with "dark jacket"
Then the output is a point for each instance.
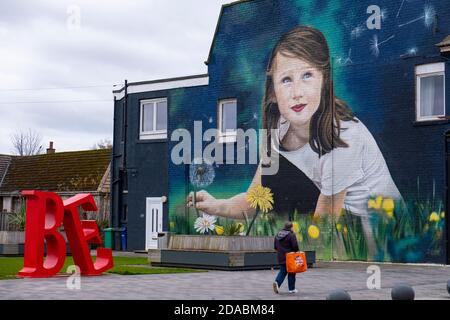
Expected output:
(285, 241)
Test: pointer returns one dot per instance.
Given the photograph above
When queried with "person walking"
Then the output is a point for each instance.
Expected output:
(285, 242)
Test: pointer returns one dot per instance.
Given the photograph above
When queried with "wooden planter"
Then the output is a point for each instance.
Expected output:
(220, 243)
(219, 252)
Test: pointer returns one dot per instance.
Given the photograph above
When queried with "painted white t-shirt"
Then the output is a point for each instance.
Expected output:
(360, 169)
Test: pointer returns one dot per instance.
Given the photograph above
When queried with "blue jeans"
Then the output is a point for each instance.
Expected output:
(282, 275)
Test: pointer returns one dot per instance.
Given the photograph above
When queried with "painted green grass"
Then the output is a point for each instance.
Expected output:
(9, 267)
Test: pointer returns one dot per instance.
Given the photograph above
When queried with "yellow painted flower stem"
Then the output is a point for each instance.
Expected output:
(252, 222)
(246, 219)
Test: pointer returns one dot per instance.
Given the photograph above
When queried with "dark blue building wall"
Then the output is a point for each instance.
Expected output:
(380, 89)
(377, 82)
(146, 171)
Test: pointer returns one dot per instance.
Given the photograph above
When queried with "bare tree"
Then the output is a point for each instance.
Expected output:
(103, 144)
(26, 143)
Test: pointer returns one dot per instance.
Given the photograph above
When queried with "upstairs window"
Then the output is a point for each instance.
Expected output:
(153, 119)
(430, 91)
(227, 120)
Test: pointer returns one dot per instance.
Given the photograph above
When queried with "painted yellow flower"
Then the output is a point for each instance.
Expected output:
(220, 230)
(240, 227)
(296, 228)
(388, 207)
(442, 215)
(339, 227)
(434, 217)
(388, 204)
(345, 230)
(375, 204)
(313, 232)
(260, 197)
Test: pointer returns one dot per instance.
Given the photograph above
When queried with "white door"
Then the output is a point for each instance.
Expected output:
(154, 223)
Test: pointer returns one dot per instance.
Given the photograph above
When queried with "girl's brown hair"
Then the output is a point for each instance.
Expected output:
(310, 45)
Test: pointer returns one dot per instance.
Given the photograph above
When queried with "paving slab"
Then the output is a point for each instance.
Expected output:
(429, 283)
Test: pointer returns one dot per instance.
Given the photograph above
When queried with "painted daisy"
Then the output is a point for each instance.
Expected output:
(205, 223)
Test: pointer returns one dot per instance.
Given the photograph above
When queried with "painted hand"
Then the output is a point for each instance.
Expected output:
(204, 202)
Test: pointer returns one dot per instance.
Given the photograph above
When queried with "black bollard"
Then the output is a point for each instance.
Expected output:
(402, 292)
(339, 294)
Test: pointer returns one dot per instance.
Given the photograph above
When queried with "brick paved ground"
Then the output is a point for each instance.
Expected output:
(429, 282)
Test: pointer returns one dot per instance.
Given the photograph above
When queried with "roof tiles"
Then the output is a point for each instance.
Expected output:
(58, 172)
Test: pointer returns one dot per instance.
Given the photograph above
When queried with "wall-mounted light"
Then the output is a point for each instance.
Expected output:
(444, 46)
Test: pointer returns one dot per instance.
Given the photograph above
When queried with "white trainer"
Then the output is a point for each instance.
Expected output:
(293, 291)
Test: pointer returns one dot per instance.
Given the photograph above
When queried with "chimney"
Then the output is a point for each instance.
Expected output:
(50, 149)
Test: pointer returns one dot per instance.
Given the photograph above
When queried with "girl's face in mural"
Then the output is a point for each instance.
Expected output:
(298, 88)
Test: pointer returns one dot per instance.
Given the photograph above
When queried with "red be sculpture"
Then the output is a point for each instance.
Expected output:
(46, 212)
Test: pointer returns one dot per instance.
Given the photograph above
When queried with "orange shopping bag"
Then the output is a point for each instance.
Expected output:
(296, 262)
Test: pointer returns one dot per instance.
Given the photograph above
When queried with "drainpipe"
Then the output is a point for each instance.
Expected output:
(122, 168)
(113, 166)
(447, 198)
(123, 177)
(125, 123)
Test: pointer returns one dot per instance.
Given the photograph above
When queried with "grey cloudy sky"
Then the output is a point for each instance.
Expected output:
(42, 48)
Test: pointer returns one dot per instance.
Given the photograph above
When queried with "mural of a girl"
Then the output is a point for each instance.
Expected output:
(315, 131)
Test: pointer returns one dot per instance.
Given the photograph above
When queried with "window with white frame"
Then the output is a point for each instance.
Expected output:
(430, 91)
(153, 119)
(227, 120)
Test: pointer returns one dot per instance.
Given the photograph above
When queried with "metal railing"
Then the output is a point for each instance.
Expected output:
(5, 221)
